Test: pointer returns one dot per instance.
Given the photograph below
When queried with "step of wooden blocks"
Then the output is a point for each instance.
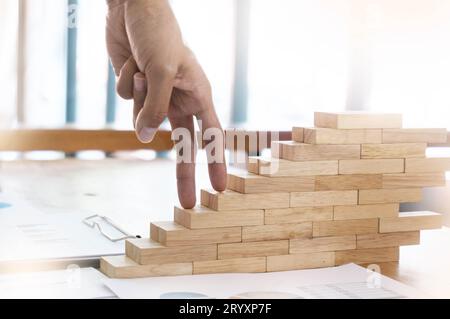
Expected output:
(371, 166)
(146, 251)
(364, 256)
(249, 183)
(172, 234)
(277, 232)
(300, 261)
(280, 167)
(348, 182)
(411, 221)
(366, 211)
(324, 198)
(298, 134)
(357, 120)
(122, 267)
(380, 196)
(427, 165)
(381, 151)
(203, 217)
(297, 215)
(413, 180)
(345, 227)
(334, 136)
(433, 135)
(387, 240)
(293, 151)
(253, 249)
(230, 200)
(322, 244)
(238, 265)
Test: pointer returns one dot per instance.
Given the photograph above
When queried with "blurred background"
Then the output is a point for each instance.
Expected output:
(271, 64)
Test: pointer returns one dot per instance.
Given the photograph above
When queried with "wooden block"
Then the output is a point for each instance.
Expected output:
(365, 256)
(348, 182)
(171, 234)
(145, 252)
(333, 136)
(293, 151)
(253, 165)
(203, 217)
(380, 196)
(411, 221)
(407, 150)
(357, 120)
(253, 249)
(414, 180)
(122, 267)
(297, 215)
(366, 211)
(433, 135)
(371, 166)
(230, 200)
(388, 240)
(281, 168)
(345, 227)
(298, 134)
(427, 165)
(300, 261)
(276, 232)
(312, 245)
(251, 184)
(325, 198)
(238, 265)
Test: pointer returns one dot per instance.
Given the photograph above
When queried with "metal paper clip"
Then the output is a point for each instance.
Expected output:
(90, 221)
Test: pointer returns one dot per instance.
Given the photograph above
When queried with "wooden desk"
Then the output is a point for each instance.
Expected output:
(135, 192)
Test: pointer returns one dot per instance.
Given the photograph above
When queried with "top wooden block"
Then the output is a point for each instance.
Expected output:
(357, 120)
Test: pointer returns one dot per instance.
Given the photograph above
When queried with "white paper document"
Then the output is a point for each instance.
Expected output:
(343, 282)
(73, 283)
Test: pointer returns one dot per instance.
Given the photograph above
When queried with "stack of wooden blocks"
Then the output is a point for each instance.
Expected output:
(329, 197)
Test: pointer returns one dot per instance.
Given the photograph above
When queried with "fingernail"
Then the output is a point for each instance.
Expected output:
(146, 134)
(139, 84)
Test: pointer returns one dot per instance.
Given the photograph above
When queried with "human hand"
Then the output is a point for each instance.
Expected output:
(165, 79)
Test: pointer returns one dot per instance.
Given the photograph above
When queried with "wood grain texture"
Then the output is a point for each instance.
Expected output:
(253, 249)
(171, 234)
(238, 265)
(145, 251)
(298, 134)
(276, 232)
(366, 211)
(297, 215)
(413, 180)
(334, 136)
(348, 182)
(203, 217)
(411, 221)
(300, 261)
(73, 140)
(321, 244)
(345, 227)
(230, 200)
(248, 183)
(433, 135)
(122, 267)
(427, 165)
(388, 240)
(406, 150)
(357, 120)
(293, 151)
(324, 198)
(371, 166)
(363, 256)
(282, 168)
(380, 196)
